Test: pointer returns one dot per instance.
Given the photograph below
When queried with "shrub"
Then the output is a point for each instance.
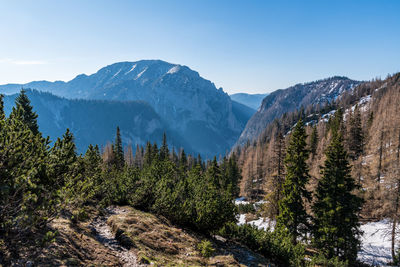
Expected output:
(49, 237)
(206, 248)
(320, 260)
(246, 208)
(274, 246)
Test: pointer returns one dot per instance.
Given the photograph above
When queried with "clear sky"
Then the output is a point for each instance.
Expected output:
(242, 46)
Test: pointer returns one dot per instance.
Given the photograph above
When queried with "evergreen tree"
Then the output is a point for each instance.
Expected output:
(233, 175)
(92, 160)
(148, 155)
(28, 196)
(293, 218)
(62, 158)
(183, 161)
(118, 151)
(23, 106)
(355, 135)
(336, 226)
(213, 174)
(2, 114)
(164, 151)
(314, 141)
(335, 123)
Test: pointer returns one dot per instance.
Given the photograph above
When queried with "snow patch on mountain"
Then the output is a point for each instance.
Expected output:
(173, 70)
(141, 73)
(133, 67)
(116, 74)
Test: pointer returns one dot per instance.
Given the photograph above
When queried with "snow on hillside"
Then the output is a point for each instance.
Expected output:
(376, 240)
(376, 243)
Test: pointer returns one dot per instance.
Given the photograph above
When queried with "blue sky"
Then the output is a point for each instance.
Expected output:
(242, 46)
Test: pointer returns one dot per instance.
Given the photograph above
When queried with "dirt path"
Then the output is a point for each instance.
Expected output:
(104, 235)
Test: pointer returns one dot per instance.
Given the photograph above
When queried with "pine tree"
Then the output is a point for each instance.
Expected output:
(118, 151)
(62, 158)
(2, 114)
(293, 218)
(213, 174)
(23, 106)
(314, 141)
(164, 151)
(148, 155)
(336, 226)
(355, 135)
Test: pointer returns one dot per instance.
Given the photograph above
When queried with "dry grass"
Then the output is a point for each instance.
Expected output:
(153, 239)
(163, 244)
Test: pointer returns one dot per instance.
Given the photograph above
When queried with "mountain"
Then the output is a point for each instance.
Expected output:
(95, 121)
(286, 100)
(242, 112)
(251, 100)
(192, 106)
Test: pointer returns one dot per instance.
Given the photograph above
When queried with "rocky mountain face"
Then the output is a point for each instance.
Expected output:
(203, 115)
(286, 100)
(251, 100)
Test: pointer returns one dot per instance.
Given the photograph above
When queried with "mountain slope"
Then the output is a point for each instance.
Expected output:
(95, 121)
(251, 100)
(292, 98)
(189, 104)
(242, 112)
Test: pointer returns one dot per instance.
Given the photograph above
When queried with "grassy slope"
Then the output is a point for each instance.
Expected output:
(153, 239)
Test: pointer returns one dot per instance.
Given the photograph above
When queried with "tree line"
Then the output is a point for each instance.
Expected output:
(39, 181)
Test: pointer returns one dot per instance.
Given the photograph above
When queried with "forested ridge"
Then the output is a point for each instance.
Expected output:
(367, 120)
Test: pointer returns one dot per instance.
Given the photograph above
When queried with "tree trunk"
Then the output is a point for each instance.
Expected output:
(397, 201)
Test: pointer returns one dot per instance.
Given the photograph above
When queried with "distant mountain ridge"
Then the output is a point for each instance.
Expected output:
(251, 100)
(95, 121)
(285, 100)
(190, 105)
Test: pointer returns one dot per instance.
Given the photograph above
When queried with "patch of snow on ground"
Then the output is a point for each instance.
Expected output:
(376, 243)
(241, 219)
(261, 223)
(364, 100)
(241, 200)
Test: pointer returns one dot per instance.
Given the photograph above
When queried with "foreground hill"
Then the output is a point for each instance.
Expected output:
(95, 121)
(188, 103)
(123, 236)
(301, 95)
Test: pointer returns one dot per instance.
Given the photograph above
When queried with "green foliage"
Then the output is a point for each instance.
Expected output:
(336, 226)
(321, 260)
(396, 260)
(206, 248)
(24, 110)
(79, 215)
(292, 217)
(118, 151)
(246, 208)
(273, 245)
(28, 195)
(355, 135)
(49, 237)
